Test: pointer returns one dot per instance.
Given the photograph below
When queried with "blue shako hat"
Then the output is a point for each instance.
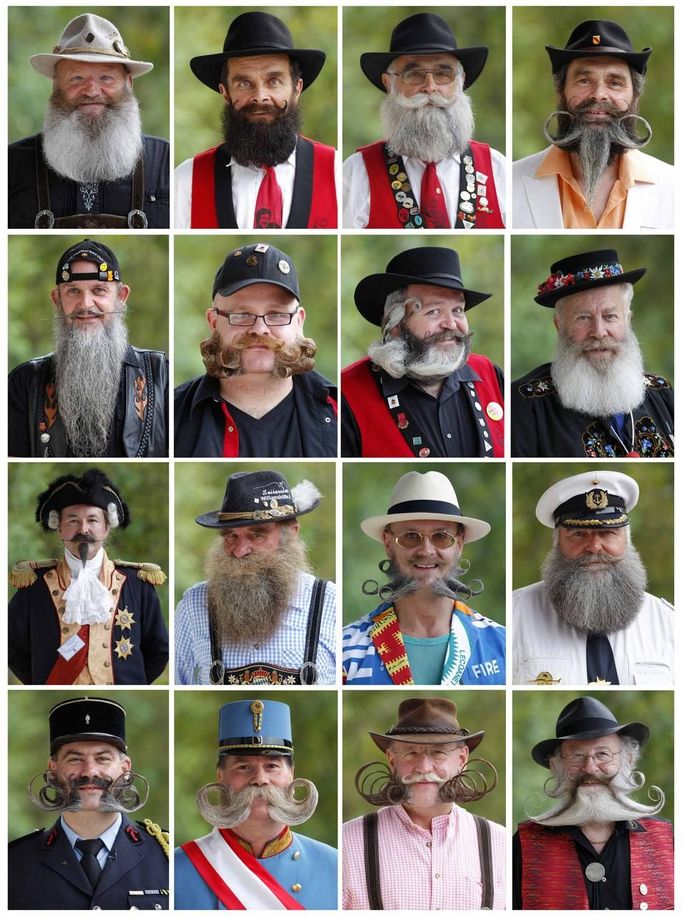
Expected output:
(255, 727)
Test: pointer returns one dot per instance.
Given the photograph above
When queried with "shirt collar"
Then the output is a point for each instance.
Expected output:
(272, 848)
(108, 837)
(632, 167)
(290, 160)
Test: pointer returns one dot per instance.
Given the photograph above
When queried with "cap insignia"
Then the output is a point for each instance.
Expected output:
(252, 260)
(262, 247)
(596, 39)
(597, 499)
(257, 710)
(284, 266)
(87, 720)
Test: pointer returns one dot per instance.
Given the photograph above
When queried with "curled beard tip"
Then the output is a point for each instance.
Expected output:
(472, 784)
(370, 587)
(375, 783)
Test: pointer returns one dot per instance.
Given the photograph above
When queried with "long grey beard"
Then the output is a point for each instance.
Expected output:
(409, 356)
(234, 808)
(577, 805)
(91, 149)
(88, 367)
(427, 126)
(599, 389)
(599, 600)
(248, 597)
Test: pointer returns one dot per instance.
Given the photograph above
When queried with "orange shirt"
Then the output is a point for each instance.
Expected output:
(574, 207)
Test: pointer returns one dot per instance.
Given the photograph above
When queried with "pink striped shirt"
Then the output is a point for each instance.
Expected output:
(422, 870)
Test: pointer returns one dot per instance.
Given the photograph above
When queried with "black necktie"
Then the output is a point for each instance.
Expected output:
(90, 862)
(601, 665)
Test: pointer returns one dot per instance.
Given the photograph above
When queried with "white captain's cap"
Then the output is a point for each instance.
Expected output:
(595, 499)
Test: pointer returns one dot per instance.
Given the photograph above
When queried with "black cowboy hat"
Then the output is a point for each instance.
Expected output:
(252, 35)
(586, 718)
(584, 271)
(423, 33)
(429, 265)
(260, 496)
(429, 720)
(595, 38)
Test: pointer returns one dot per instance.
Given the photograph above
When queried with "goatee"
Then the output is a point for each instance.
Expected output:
(427, 126)
(258, 143)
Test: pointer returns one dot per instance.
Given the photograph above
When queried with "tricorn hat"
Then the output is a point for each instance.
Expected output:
(423, 33)
(428, 720)
(252, 497)
(87, 719)
(583, 719)
(584, 271)
(90, 489)
(252, 35)
(430, 265)
(597, 38)
(255, 727)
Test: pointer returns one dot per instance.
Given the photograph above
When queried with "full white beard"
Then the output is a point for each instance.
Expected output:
(427, 127)
(86, 149)
(601, 390)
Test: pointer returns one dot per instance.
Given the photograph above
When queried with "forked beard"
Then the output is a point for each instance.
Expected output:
(248, 597)
(409, 356)
(597, 601)
(234, 807)
(88, 366)
(427, 126)
(602, 388)
(87, 148)
(258, 143)
(226, 361)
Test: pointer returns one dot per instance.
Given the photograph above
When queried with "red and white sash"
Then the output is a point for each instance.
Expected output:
(236, 876)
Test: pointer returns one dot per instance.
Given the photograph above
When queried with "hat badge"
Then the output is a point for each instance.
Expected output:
(257, 710)
(87, 720)
(597, 499)
(596, 39)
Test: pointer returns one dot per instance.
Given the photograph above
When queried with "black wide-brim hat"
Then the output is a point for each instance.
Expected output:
(87, 719)
(423, 33)
(255, 497)
(584, 271)
(428, 265)
(583, 719)
(597, 38)
(253, 35)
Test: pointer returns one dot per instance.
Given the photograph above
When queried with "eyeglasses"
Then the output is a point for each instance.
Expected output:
(442, 76)
(437, 754)
(248, 319)
(441, 539)
(601, 758)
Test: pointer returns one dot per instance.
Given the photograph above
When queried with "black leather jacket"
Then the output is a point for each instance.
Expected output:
(35, 427)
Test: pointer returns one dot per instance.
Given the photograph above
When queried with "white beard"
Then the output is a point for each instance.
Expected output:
(427, 127)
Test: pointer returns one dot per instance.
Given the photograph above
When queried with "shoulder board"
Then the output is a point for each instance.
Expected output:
(23, 572)
(655, 381)
(148, 572)
(537, 387)
(28, 836)
(160, 835)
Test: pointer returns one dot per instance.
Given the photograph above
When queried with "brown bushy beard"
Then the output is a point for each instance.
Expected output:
(225, 360)
(248, 597)
(253, 143)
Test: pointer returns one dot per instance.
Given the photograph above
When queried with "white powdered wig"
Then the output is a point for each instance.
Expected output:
(53, 519)
(305, 494)
(112, 515)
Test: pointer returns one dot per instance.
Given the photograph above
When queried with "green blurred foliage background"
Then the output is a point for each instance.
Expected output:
(377, 711)
(533, 88)
(32, 266)
(368, 29)
(142, 485)
(535, 714)
(482, 264)
(367, 491)
(201, 30)
(652, 305)
(36, 30)
(197, 260)
(314, 729)
(200, 487)
(29, 740)
(651, 520)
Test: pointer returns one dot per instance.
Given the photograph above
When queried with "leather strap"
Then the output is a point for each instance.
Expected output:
(370, 825)
(486, 860)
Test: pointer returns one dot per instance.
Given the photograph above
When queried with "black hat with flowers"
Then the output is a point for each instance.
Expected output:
(584, 271)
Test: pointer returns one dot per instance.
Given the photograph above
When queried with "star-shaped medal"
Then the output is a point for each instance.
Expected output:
(123, 648)
(124, 619)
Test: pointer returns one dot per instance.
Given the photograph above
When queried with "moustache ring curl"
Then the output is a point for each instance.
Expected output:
(232, 807)
(56, 795)
(638, 142)
(377, 785)
(385, 592)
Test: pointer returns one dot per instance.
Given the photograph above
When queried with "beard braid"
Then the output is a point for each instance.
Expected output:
(247, 597)
(400, 585)
(596, 143)
(428, 126)
(599, 389)
(410, 356)
(595, 600)
(234, 807)
(223, 361)
(84, 148)
(253, 143)
(88, 367)
(577, 805)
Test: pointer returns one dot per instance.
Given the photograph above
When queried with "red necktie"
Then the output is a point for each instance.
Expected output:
(268, 213)
(432, 204)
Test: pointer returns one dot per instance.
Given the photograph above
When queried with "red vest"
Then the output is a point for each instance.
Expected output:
(383, 212)
(553, 879)
(381, 437)
(323, 212)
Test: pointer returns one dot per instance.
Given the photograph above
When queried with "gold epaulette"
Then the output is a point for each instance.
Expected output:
(148, 572)
(160, 835)
(23, 572)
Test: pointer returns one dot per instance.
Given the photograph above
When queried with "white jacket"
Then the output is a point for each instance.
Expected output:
(643, 652)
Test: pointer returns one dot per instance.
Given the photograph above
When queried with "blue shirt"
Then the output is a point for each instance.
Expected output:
(108, 838)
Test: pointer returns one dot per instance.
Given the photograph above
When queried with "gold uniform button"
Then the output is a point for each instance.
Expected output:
(55, 591)
(114, 591)
(105, 645)
(107, 626)
(107, 664)
(296, 888)
(65, 629)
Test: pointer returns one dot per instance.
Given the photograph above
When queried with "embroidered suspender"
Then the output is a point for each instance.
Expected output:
(370, 825)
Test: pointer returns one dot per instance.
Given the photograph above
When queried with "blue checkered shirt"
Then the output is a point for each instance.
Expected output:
(285, 648)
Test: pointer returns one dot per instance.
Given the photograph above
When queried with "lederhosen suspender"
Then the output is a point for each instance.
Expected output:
(370, 825)
(45, 218)
(306, 674)
(302, 196)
